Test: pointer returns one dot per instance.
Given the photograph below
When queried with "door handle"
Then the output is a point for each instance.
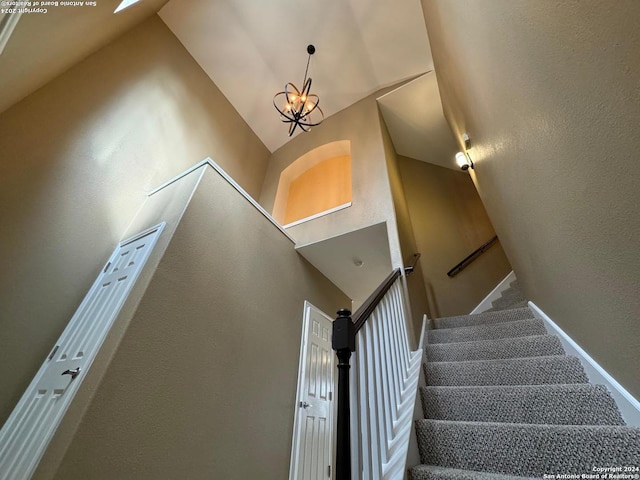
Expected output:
(74, 373)
(305, 405)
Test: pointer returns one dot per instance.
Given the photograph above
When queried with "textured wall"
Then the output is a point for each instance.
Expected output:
(212, 393)
(550, 95)
(166, 205)
(408, 246)
(449, 223)
(371, 203)
(76, 160)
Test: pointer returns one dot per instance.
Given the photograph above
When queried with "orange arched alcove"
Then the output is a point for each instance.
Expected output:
(315, 184)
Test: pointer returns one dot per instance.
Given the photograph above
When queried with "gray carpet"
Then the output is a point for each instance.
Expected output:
(520, 304)
(511, 371)
(432, 472)
(503, 401)
(574, 404)
(529, 346)
(526, 449)
(483, 318)
(509, 299)
(519, 328)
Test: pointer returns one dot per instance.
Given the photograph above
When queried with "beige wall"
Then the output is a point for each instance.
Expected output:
(166, 205)
(449, 222)
(549, 94)
(76, 160)
(211, 394)
(372, 203)
(415, 285)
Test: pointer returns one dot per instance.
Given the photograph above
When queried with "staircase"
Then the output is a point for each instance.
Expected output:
(503, 401)
(512, 297)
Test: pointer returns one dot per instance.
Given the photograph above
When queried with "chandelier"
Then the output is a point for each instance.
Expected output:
(297, 107)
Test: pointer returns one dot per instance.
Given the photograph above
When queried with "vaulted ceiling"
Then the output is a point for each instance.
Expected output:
(251, 49)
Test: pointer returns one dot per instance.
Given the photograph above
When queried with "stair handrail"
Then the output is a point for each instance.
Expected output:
(343, 341)
(412, 265)
(470, 258)
(391, 353)
(364, 312)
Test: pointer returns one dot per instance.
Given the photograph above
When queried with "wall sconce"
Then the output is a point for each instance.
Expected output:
(462, 159)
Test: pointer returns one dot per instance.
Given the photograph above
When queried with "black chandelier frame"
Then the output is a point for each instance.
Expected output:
(299, 104)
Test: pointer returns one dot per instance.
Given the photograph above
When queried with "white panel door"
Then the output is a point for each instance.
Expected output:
(25, 435)
(313, 427)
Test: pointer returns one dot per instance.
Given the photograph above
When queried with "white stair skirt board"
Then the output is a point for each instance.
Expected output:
(413, 454)
(628, 405)
(485, 304)
(31, 425)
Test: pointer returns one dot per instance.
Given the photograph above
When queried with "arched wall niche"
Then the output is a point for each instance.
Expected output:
(317, 183)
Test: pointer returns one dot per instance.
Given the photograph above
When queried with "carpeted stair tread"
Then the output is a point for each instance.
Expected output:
(525, 449)
(483, 318)
(518, 347)
(512, 293)
(506, 301)
(518, 328)
(504, 401)
(508, 305)
(511, 290)
(517, 305)
(573, 404)
(433, 472)
(516, 371)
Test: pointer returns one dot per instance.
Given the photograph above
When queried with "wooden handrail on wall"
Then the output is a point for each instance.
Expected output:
(470, 258)
(412, 265)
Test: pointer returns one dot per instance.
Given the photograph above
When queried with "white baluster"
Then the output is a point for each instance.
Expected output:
(376, 417)
(383, 388)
